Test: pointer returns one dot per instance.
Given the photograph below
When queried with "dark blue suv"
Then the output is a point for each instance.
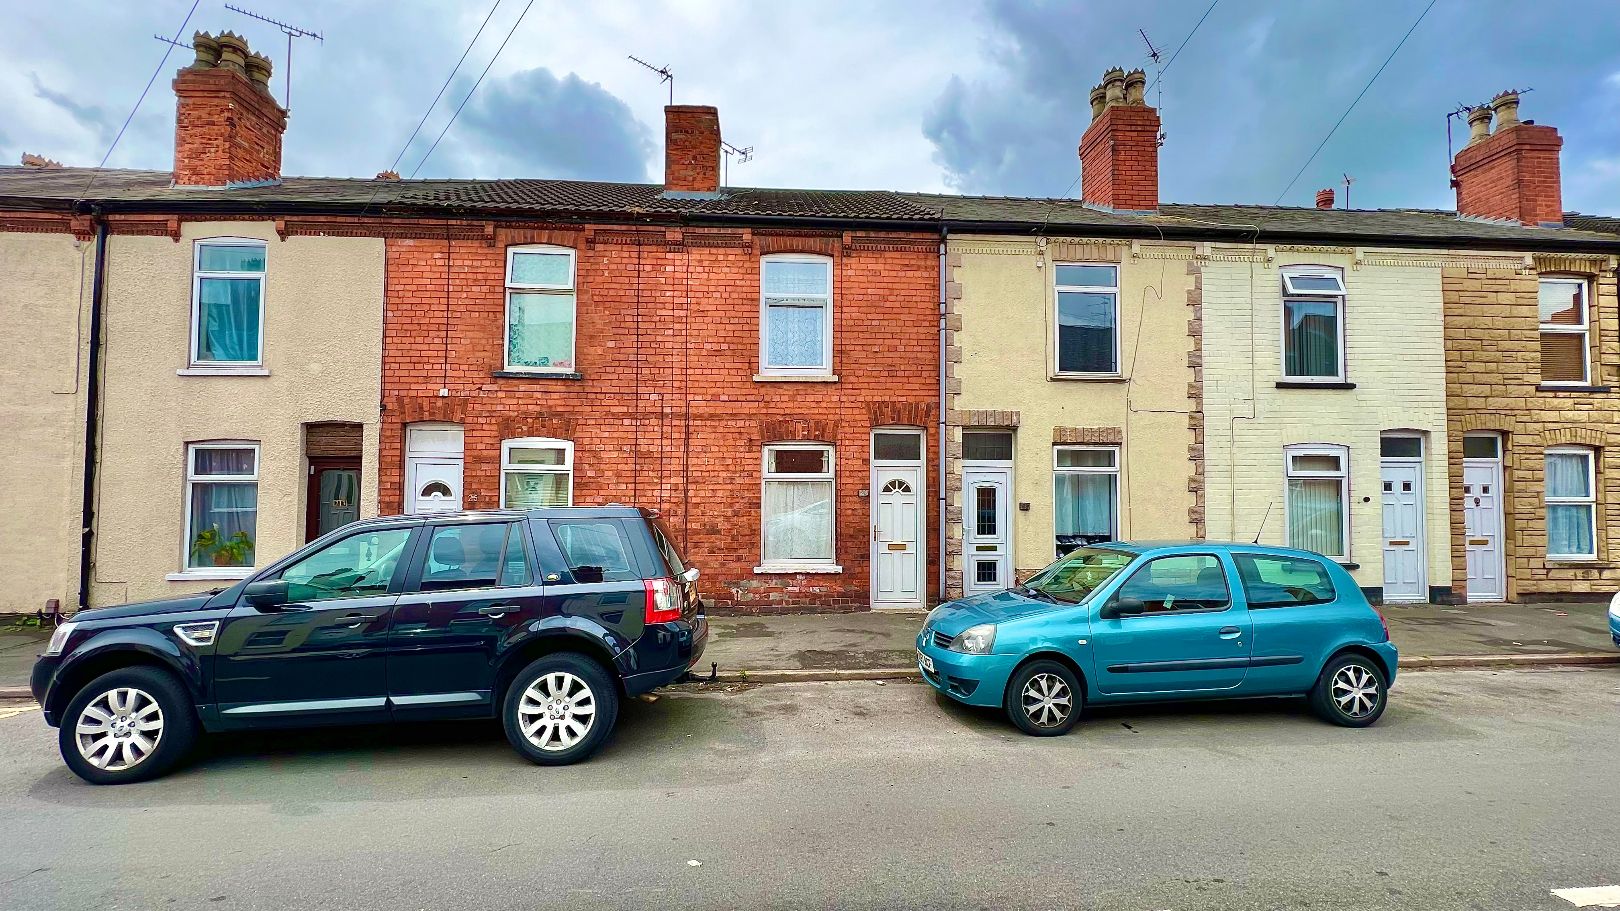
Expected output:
(545, 618)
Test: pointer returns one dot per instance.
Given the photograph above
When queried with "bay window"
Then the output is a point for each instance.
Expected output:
(536, 472)
(1313, 325)
(1317, 511)
(540, 309)
(797, 505)
(795, 315)
(1564, 350)
(227, 303)
(1571, 503)
(1085, 496)
(222, 505)
(1087, 319)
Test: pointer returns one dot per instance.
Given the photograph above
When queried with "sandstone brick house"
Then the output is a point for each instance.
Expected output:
(1318, 377)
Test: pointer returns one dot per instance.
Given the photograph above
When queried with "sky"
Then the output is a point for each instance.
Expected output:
(967, 96)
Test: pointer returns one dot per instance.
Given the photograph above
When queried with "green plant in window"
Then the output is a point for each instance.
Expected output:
(205, 544)
(234, 551)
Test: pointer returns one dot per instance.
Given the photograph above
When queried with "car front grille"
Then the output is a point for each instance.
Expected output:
(942, 640)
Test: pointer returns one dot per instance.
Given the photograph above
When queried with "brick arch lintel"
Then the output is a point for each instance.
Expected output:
(1575, 436)
(902, 414)
(797, 430)
(416, 409)
(1495, 423)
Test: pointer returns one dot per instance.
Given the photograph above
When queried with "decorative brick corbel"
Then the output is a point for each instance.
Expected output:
(281, 228)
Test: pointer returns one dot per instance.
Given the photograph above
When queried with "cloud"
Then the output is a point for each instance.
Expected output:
(534, 124)
(97, 119)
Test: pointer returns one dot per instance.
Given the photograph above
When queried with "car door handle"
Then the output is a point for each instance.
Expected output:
(497, 611)
(1230, 632)
(359, 620)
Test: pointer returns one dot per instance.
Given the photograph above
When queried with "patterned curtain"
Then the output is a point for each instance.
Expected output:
(795, 337)
(541, 330)
(798, 521)
(1316, 515)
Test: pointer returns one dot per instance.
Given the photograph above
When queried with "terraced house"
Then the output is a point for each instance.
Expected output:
(1348, 382)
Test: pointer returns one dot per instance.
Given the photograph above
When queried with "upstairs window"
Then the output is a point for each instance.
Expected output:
(796, 315)
(1571, 504)
(540, 309)
(1087, 319)
(1318, 511)
(1564, 350)
(227, 303)
(536, 472)
(1313, 325)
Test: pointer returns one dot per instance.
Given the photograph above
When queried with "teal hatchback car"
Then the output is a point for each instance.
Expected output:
(1122, 622)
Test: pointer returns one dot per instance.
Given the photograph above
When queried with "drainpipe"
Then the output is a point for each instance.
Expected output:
(92, 402)
(944, 274)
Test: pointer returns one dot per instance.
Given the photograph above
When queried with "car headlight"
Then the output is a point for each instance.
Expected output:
(59, 639)
(975, 640)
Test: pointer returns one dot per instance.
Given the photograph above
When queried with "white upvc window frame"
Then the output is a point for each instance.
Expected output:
(1583, 330)
(571, 289)
(1315, 295)
(1111, 290)
(193, 362)
(187, 571)
(1119, 456)
(509, 467)
(825, 368)
(1342, 475)
(830, 477)
(1589, 455)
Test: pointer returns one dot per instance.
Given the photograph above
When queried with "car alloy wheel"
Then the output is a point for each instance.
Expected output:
(557, 711)
(1047, 700)
(119, 729)
(1355, 691)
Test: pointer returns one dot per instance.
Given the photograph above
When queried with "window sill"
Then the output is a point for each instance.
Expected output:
(787, 568)
(222, 371)
(1307, 384)
(1088, 378)
(1577, 561)
(795, 378)
(536, 375)
(1573, 387)
(205, 575)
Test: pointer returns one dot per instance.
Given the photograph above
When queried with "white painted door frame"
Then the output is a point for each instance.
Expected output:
(899, 548)
(1394, 475)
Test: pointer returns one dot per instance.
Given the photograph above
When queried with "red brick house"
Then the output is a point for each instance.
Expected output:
(760, 366)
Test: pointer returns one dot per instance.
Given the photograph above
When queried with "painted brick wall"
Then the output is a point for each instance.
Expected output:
(1493, 370)
(668, 413)
(1394, 356)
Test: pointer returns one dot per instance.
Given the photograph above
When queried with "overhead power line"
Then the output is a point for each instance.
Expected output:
(1353, 104)
(447, 80)
(167, 50)
(474, 89)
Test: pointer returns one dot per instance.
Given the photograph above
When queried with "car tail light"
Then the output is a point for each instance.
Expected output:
(663, 605)
(1382, 622)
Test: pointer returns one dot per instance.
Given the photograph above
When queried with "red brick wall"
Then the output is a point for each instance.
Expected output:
(226, 129)
(1119, 159)
(668, 414)
(1512, 175)
(691, 148)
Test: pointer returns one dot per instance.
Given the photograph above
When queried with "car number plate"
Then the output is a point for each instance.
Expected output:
(926, 662)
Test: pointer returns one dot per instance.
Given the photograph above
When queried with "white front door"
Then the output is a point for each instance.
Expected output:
(897, 536)
(986, 556)
(1404, 564)
(435, 486)
(1482, 528)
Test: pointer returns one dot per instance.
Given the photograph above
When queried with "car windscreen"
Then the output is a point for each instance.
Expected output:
(1075, 575)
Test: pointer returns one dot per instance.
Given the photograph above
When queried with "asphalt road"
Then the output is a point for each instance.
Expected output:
(1478, 790)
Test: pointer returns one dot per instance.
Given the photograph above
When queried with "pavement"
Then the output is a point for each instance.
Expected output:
(1477, 790)
(878, 645)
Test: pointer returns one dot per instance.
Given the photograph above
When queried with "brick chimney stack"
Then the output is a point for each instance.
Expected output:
(1119, 153)
(1324, 198)
(691, 149)
(1511, 173)
(227, 126)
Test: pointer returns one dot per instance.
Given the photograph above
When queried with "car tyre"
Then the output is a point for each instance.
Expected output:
(128, 725)
(1352, 691)
(1044, 698)
(560, 709)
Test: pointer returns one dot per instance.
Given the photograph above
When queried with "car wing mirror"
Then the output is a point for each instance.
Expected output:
(691, 575)
(1120, 607)
(267, 594)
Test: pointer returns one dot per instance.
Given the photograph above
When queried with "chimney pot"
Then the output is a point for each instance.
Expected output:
(691, 148)
(1099, 100)
(1135, 87)
(258, 70)
(1506, 108)
(387, 175)
(233, 51)
(207, 51)
(1479, 124)
(1114, 86)
(1324, 198)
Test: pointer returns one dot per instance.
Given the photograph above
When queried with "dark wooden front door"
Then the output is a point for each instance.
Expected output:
(334, 495)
